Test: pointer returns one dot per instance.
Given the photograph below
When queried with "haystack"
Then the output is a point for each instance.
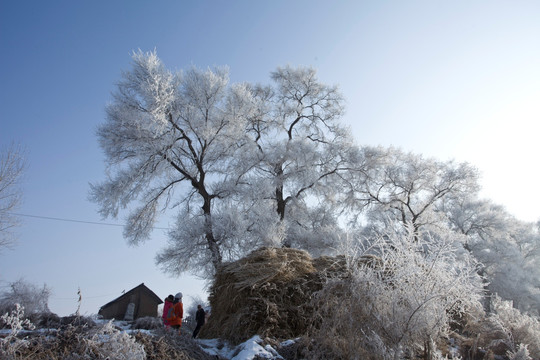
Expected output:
(268, 293)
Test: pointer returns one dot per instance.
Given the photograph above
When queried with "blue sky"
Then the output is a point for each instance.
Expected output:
(452, 80)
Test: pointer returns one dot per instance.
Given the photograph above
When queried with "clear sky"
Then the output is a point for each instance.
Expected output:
(452, 80)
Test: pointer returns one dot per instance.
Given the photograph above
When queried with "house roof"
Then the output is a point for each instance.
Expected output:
(140, 287)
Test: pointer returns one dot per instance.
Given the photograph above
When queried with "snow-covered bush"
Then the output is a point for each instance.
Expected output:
(110, 343)
(522, 353)
(15, 320)
(11, 344)
(402, 303)
(33, 298)
(520, 329)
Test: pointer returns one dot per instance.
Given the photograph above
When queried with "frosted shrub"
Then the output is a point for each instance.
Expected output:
(16, 320)
(111, 343)
(402, 302)
(33, 298)
(11, 344)
(522, 353)
(74, 342)
(521, 329)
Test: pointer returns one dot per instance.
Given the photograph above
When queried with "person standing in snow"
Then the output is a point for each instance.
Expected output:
(168, 303)
(176, 313)
(199, 318)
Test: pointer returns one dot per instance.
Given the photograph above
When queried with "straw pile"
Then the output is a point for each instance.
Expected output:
(268, 293)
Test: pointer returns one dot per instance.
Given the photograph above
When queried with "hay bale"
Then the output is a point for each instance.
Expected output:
(268, 293)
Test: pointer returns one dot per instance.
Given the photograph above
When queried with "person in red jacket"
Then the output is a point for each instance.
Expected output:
(168, 303)
(176, 313)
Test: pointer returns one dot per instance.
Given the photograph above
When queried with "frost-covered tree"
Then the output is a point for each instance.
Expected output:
(169, 140)
(12, 165)
(405, 188)
(33, 298)
(507, 249)
(300, 149)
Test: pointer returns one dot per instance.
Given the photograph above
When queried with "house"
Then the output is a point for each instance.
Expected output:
(136, 303)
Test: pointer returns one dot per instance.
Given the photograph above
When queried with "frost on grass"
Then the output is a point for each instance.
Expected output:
(405, 304)
(72, 341)
(11, 345)
(112, 343)
(401, 297)
(521, 332)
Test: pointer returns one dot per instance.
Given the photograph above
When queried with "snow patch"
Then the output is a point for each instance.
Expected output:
(245, 351)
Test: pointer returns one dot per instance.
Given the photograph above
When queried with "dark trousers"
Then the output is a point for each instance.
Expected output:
(197, 329)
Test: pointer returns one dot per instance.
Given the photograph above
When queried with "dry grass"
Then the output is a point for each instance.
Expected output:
(73, 342)
(336, 330)
(277, 294)
(268, 293)
(168, 345)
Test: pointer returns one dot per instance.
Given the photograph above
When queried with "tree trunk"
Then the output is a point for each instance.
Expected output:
(281, 203)
(213, 246)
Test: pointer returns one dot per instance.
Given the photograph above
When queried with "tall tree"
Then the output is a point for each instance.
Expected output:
(301, 147)
(507, 249)
(167, 133)
(12, 164)
(409, 189)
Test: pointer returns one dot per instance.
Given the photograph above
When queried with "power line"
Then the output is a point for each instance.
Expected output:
(68, 220)
(76, 221)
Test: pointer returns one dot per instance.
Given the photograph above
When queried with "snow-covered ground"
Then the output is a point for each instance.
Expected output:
(247, 350)
(244, 351)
